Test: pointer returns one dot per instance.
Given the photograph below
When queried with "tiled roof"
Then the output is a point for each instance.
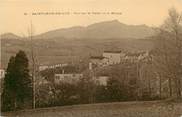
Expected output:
(97, 57)
(119, 51)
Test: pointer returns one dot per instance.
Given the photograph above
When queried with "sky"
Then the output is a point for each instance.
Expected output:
(16, 15)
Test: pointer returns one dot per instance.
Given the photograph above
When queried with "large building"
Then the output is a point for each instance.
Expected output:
(107, 58)
(114, 57)
(117, 57)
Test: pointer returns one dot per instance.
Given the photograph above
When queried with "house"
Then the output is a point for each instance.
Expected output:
(43, 67)
(114, 57)
(2, 73)
(101, 80)
(98, 61)
(107, 58)
(67, 78)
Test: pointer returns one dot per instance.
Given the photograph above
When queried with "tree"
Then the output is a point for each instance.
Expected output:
(34, 63)
(8, 90)
(17, 85)
(169, 51)
(115, 92)
(86, 89)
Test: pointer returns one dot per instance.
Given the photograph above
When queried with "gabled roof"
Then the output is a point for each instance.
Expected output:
(119, 51)
(97, 57)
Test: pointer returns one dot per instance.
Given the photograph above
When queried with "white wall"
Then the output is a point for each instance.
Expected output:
(114, 58)
(102, 80)
(2, 73)
(67, 78)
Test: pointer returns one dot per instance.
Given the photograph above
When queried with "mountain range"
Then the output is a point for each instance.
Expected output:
(101, 30)
(68, 44)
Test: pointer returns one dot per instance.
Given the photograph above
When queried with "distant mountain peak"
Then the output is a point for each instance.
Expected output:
(111, 22)
(101, 30)
(115, 21)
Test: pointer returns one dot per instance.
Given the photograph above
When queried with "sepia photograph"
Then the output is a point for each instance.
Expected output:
(91, 58)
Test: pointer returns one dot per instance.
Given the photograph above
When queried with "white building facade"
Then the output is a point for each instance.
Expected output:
(114, 57)
(101, 80)
(67, 78)
(98, 61)
(44, 67)
(2, 73)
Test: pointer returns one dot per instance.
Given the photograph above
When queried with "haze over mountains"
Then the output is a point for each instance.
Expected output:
(101, 30)
(64, 45)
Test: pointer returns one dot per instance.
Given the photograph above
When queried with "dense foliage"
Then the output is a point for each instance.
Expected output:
(17, 89)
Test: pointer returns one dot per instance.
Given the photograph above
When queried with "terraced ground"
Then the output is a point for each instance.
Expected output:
(117, 109)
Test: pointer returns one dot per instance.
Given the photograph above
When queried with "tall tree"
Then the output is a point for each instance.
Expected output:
(8, 90)
(17, 85)
(34, 63)
(169, 50)
(23, 88)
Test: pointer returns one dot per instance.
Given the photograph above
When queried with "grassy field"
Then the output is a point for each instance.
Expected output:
(119, 109)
